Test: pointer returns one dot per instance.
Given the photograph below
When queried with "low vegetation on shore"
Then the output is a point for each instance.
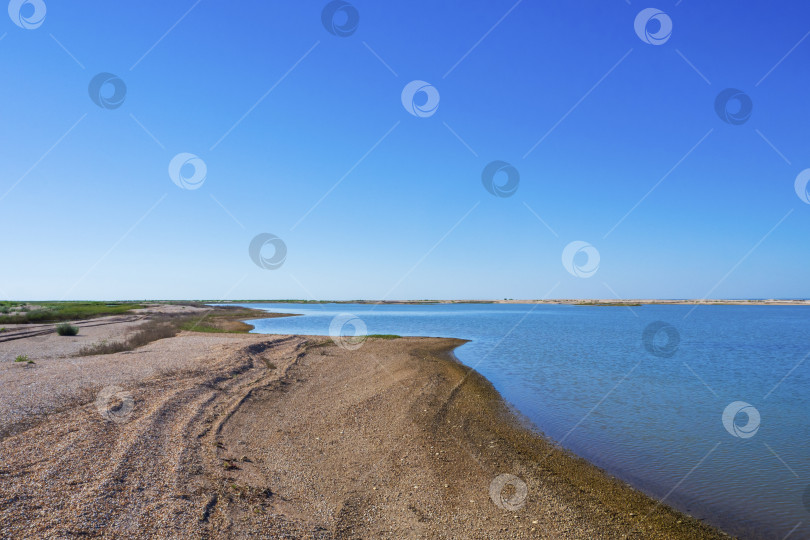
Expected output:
(610, 304)
(51, 312)
(145, 334)
(216, 320)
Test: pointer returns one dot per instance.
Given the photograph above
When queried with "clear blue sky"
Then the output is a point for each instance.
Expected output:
(91, 212)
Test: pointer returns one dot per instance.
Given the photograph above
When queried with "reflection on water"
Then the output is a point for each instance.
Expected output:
(641, 392)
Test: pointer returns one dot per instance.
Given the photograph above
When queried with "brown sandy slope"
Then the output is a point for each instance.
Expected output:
(292, 437)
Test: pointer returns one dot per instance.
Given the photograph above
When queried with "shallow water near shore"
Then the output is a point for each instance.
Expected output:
(583, 375)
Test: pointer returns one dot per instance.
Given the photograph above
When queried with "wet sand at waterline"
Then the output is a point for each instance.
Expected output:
(257, 436)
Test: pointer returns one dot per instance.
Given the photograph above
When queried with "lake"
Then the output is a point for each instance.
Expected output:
(706, 408)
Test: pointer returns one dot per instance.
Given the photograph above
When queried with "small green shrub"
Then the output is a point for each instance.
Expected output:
(66, 329)
(22, 358)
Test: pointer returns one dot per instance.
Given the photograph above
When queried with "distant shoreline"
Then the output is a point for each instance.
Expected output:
(572, 302)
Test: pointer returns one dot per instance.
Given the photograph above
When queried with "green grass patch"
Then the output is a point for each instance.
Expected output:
(46, 312)
(22, 358)
(224, 320)
(66, 329)
(384, 336)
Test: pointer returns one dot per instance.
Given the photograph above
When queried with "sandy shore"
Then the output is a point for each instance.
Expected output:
(251, 436)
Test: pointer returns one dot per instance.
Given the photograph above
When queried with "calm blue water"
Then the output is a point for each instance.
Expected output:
(584, 377)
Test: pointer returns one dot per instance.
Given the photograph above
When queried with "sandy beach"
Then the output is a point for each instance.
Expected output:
(218, 435)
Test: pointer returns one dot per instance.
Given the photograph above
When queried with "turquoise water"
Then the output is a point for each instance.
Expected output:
(651, 415)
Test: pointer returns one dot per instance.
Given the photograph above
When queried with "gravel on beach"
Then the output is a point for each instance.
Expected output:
(256, 436)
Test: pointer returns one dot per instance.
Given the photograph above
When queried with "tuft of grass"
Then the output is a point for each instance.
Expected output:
(22, 358)
(384, 336)
(66, 329)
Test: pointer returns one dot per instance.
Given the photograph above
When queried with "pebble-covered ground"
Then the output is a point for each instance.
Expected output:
(251, 436)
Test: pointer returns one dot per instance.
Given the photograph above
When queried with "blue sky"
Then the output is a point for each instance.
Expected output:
(304, 136)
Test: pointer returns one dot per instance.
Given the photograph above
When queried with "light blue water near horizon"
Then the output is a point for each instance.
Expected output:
(583, 376)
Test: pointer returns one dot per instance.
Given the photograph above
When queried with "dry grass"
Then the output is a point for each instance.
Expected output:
(218, 320)
(147, 333)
